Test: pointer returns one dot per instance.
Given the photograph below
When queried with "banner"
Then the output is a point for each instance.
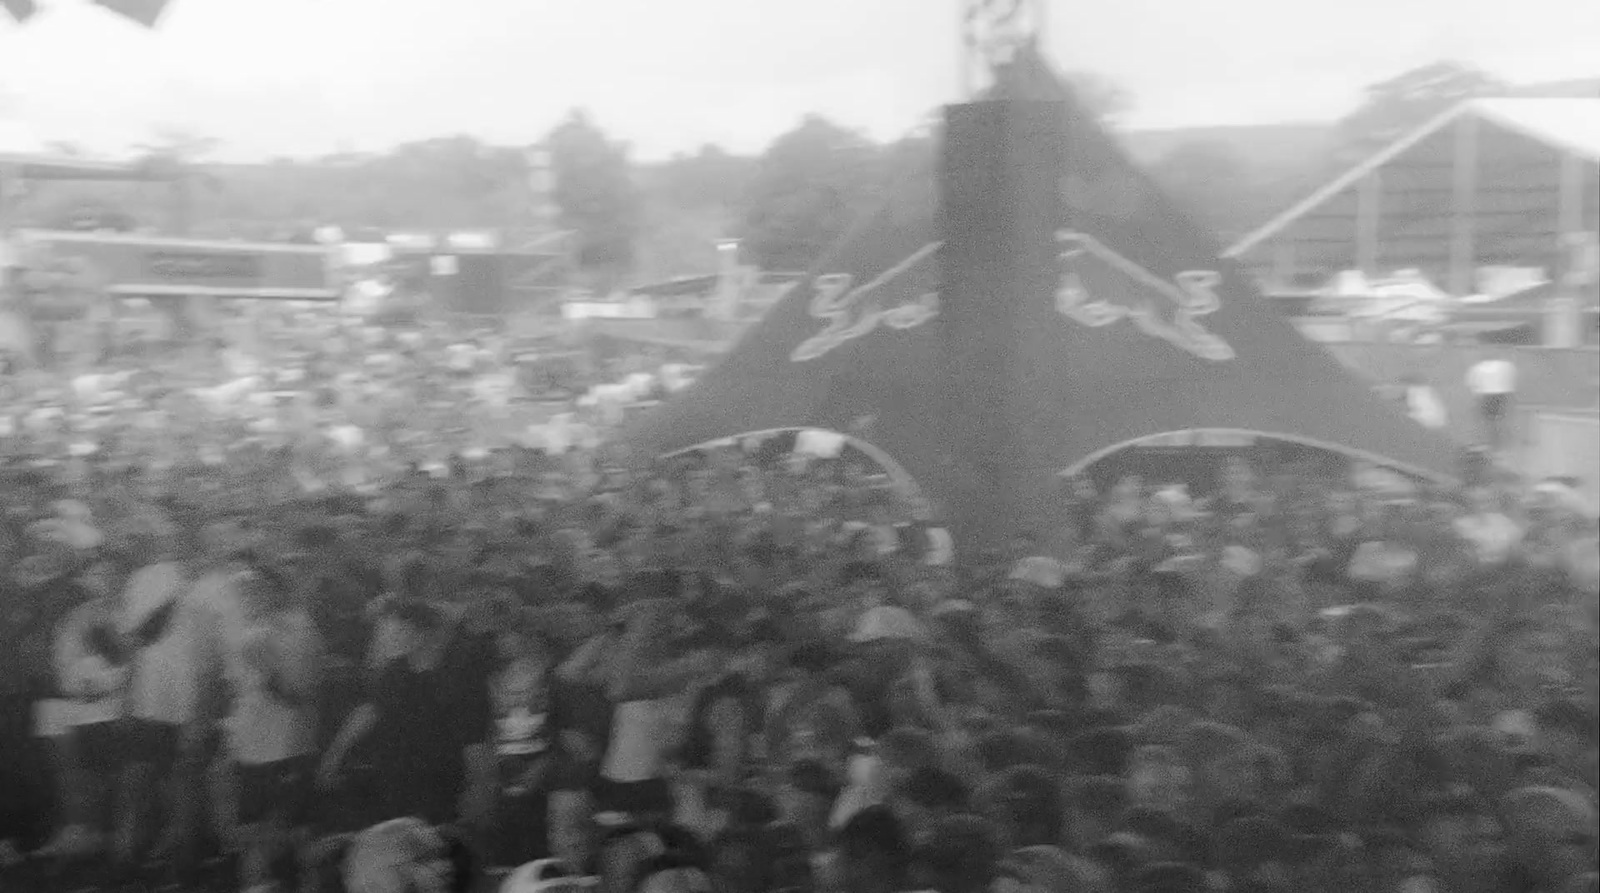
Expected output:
(141, 266)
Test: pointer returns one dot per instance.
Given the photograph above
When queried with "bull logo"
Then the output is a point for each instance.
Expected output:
(1099, 287)
(852, 313)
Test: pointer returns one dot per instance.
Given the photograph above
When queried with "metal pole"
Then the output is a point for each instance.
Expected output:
(7, 177)
(1569, 213)
(964, 51)
(1369, 196)
(1463, 222)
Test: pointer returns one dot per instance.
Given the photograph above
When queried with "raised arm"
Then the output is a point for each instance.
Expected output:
(358, 726)
(79, 676)
(581, 664)
(68, 651)
(673, 677)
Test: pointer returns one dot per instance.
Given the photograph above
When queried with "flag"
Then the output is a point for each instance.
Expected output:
(145, 12)
(21, 10)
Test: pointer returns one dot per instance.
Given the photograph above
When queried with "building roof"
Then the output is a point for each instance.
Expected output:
(1589, 87)
(673, 288)
(1570, 125)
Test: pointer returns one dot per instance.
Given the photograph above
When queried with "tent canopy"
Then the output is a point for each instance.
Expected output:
(1027, 304)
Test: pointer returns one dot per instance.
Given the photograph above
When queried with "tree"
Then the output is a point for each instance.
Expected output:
(176, 155)
(1399, 104)
(596, 195)
(448, 182)
(1211, 181)
(809, 186)
(710, 178)
(690, 201)
(676, 241)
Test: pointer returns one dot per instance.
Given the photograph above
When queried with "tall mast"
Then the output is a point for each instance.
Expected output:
(992, 31)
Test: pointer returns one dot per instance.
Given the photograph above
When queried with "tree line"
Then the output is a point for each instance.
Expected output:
(635, 221)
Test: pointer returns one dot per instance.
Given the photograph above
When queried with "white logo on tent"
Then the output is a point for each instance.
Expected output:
(1139, 295)
(851, 313)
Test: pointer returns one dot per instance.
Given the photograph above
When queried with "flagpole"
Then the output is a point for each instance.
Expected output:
(964, 50)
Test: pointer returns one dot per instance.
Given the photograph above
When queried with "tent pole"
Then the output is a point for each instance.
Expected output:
(1280, 272)
(1463, 207)
(1570, 213)
(966, 51)
(1369, 198)
(11, 186)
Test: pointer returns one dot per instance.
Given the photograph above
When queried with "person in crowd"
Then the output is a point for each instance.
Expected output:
(644, 674)
(163, 692)
(874, 853)
(520, 700)
(408, 855)
(40, 591)
(271, 730)
(223, 558)
(428, 717)
(1304, 677)
(962, 854)
(1493, 383)
(92, 664)
(1423, 404)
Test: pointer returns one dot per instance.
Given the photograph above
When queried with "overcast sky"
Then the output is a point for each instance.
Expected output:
(300, 77)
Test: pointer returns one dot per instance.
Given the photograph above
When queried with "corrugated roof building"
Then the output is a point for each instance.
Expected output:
(1492, 182)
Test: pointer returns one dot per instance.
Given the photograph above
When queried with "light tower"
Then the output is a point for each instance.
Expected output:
(992, 31)
(541, 189)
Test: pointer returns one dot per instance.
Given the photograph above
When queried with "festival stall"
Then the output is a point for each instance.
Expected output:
(149, 266)
(473, 277)
(78, 287)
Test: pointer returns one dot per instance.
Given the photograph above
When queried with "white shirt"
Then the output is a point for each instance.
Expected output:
(869, 786)
(1425, 407)
(1492, 377)
(220, 621)
(1493, 536)
(638, 739)
(1379, 561)
(264, 728)
(165, 682)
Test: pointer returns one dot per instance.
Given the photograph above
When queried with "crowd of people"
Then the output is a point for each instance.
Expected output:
(328, 641)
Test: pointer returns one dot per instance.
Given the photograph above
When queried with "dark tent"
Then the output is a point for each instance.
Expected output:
(1030, 305)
